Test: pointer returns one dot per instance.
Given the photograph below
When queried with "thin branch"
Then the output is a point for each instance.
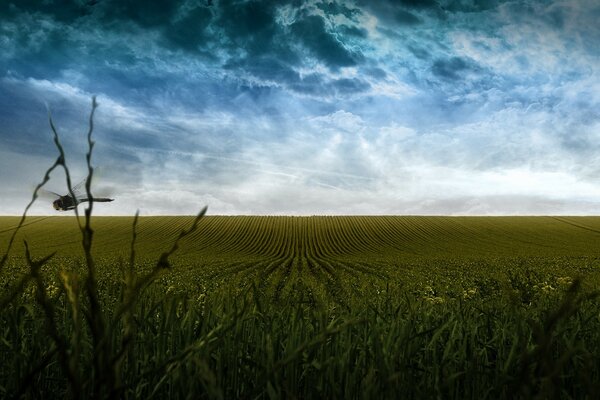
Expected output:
(59, 161)
(63, 163)
(163, 263)
(49, 314)
(133, 240)
(41, 364)
(14, 291)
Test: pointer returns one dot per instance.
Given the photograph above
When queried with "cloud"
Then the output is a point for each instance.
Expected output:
(311, 32)
(67, 11)
(339, 8)
(451, 68)
(146, 14)
(406, 18)
(190, 31)
(419, 3)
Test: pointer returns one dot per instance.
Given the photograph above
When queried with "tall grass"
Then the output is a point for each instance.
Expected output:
(105, 331)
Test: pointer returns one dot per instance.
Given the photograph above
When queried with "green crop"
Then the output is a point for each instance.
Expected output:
(298, 307)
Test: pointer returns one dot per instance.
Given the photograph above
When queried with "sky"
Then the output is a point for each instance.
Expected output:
(426, 107)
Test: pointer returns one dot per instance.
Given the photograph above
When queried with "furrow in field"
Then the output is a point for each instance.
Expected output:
(398, 238)
(246, 271)
(424, 241)
(261, 237)
(273, 243)
(363, 232)
(540, 239)
(458, 239)
(330, 242)
(356, 237)
(317, 241)
(325, 279)
(493, 235)
(273, 276)
(211, 233)
(238, 236)
(345, 242)
(364, 228)
(241, 239)
(328, 280)
(210, 236)
(578, 222)
(28, 222)
(228, 267)
(576, 231)
(369, 269)
(279, 244)
(285, 287)
(335, 277)
(481, 235)
(255, 240)
(169, 227)
(455, 239)
(233, 235)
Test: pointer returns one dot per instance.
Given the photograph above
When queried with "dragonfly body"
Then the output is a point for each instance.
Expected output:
(65, 203)
(70, 202)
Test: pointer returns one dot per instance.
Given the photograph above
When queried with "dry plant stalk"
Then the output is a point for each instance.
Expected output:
(106, 360)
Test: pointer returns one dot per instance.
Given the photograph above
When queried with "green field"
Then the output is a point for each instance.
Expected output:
(309, 307)
(332, 255)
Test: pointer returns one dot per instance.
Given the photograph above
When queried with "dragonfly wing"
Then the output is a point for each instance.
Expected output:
(77, 188)
(48, 193)
(79, 191)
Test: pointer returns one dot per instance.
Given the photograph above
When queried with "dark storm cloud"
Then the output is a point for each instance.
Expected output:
(145, 13)
(244, 38)
(249, 26)
(16, 107)
(398, 13)
(416, 12)
(451, 68)
(445, 5)
(309, 84)
(273, 72)
(339, 8)
(320, 86)
(266, 68)
(469, 6)
(33, 41)
(419, 52)
(190, 31)
(349, 86)
(376, 72)
(62, 11)
(416, 3)
(326, 47)
(406, 18)
(352, 31)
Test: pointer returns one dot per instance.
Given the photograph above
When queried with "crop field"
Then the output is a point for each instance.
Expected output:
(304, 307)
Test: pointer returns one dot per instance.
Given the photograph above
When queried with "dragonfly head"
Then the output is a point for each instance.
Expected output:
(57, 204)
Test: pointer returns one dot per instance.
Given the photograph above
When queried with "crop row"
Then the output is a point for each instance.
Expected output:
(326, 256)
(326, 237)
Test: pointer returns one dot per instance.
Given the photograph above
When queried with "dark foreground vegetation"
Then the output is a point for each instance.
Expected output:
(329, 307)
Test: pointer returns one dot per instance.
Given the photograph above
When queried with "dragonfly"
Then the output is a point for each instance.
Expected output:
(67, 202)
